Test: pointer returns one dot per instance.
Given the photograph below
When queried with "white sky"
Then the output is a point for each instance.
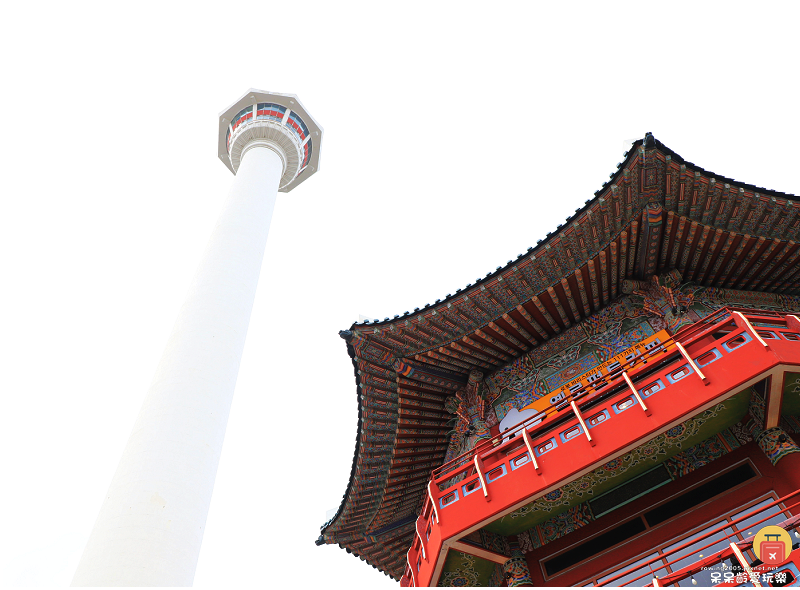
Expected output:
(456, 136)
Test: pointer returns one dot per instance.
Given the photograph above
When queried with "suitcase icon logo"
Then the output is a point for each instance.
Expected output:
(773, 551)
(772, 545)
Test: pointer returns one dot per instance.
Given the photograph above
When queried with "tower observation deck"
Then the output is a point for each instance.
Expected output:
(151, 522)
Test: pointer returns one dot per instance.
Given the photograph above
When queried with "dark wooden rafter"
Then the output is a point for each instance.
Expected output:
(392, 504)
(406, 410)
(698, 194)
(421, 475)
(473, 356)
(532, 323)
(677, 242)
(503, 348)
(421, 387)
(760, 214)
(667, 239)
(548, 319)
(733, 198)
(740, 208)
(434, 359)
(623, 256)
(579, 239)
(393, 511)
(404, 469)
(584, 296)
(442, 325)
(773, 218)
(565, 321)
(516, 287)
(698, 250)
(734, 260)
(682, 190)
(789, 263)
(749, 257)
(446, 317)
(418, 451)
(573, 305)
(411, 490)
(616, 209)
(632, 247)
(762, 262)
(421, 334)
(688, 246)
(712, 194)
(525, 283)
(717, 217)
(787, 283)
(514, 325)
(493, 298)
(420, 418)
(725, 253)
(790, 211)
(377, 379)
(604, 219)
(476, 309)
(387, 340)
(708, 256)
(512, 340)
(447, 358)
(614, 263)
(570, 247)
(411, 397)
(627, 189)
(603, 273)
(433, 327)
(482, 342)
(594, 287)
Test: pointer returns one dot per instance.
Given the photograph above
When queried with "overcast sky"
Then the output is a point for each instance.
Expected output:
(456, 136)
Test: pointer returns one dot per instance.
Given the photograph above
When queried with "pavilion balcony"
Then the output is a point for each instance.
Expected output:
(634, 400)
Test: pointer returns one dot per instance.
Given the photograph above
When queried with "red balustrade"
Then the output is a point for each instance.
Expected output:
(655, 390)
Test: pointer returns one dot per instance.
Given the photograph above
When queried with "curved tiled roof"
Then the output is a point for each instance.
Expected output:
(656, 212)
(541, 244)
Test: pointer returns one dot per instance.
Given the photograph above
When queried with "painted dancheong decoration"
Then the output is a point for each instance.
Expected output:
(599, 376)
(619, 405)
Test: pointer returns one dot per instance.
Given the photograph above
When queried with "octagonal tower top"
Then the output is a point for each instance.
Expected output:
(277, 121)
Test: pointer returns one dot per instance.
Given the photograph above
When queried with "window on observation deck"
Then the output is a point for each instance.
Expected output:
(306, 152)
(296, 123)
(241, 116)
(270, 111)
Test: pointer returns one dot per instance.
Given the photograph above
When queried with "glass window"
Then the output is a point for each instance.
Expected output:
(692, 552)
(744, 527)
(645, 569)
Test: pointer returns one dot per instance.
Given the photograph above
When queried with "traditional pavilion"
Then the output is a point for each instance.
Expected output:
(616, 406)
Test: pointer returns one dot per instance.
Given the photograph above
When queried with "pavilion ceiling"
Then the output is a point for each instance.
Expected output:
(657, 213)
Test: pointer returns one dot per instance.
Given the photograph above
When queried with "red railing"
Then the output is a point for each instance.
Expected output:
(668, 383)
(707, 562)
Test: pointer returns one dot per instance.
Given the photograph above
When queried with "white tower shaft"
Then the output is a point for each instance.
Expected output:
(151, 524)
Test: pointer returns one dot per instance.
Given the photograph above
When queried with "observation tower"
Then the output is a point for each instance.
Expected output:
(151, 523)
